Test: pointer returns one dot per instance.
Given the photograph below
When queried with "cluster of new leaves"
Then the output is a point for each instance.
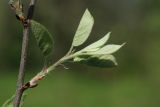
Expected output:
(97, 54)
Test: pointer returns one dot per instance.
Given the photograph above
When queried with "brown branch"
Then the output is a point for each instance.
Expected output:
(21, 75)
(25, 41)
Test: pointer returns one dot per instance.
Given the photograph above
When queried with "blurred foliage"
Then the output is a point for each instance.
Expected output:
(64, 89)
(134, 83)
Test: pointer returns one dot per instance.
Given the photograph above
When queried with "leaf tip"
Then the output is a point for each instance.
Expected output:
(108, 36)
(123, 44)
(109, 33)
(89, 13)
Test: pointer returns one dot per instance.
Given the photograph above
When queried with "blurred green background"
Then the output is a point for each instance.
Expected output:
(134, 83)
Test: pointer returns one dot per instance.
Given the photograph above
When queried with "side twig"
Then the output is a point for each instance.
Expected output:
(25, 41)
(34, 81)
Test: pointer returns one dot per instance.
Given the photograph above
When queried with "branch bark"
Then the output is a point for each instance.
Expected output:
(26, 31)
(21, 75)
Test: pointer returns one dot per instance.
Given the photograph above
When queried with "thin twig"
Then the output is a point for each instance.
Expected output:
(21, 75)
(70, 50)
(34, 81)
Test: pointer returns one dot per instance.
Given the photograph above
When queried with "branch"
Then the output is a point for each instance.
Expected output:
(22, 68)
(25, 41)
(44, 72)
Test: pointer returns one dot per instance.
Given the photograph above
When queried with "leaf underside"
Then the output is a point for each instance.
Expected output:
(84, 29)
(108, 49)
(104, 61)
(98, 44)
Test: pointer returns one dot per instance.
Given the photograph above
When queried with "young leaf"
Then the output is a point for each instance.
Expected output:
(9, 102)
(17, 6)
(84, 29)
(98, 44)
(43, 37)
(108, 49)
(97, 60)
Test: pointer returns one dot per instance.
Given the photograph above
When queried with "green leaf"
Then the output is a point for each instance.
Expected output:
(98, 44)
(97, 60)
(9, 102)
(84, 29)
(43, 37)
(108, 49)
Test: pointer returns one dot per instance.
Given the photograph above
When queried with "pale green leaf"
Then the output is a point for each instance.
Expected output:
(78, 59)
(43, 37)
(98, 44)
(97, 60)
(9, 102)
(84, 29)
(108, 49)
